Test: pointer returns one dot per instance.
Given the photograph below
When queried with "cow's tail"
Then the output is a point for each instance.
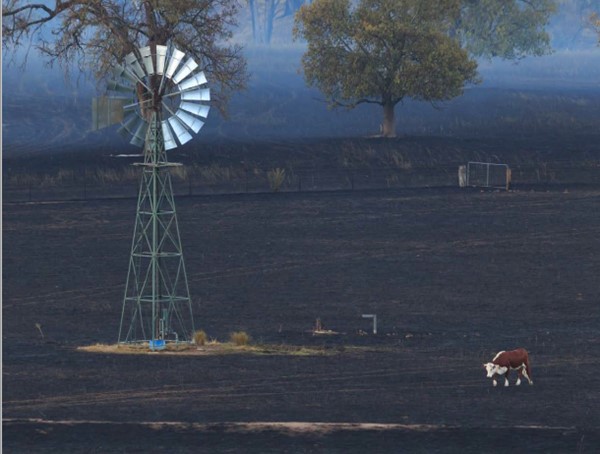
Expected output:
(528, 369)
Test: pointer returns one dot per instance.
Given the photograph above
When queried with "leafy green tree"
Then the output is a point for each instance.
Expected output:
(97, 34)
(383, 51)
(570, 25)
(508, 29)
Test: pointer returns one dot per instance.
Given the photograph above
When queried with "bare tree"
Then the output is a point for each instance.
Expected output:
(97, 34)
(264, 13)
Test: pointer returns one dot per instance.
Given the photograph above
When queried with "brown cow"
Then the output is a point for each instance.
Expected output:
(503, 362)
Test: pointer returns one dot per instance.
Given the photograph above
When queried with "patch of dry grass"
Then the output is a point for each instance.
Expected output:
(211, 348)
(200, 337)
(239, 338)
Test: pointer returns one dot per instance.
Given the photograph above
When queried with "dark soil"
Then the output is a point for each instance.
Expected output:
(453, 275)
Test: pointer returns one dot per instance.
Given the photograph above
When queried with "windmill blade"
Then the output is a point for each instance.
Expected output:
(186, 70)
(121, 72)
(113, 85)
(146, 54)
(130, 125)
(161, 58)
(182, 135)
(131, 122)
(132, 106)
(196, 95)
(174, 63)
(140, 134)
(200, 110)
(132, 62)
(193, 82)
(190, 121)
(168, 136)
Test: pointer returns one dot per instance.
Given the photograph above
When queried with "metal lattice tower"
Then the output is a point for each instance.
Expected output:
(161, 100)
(157, 302)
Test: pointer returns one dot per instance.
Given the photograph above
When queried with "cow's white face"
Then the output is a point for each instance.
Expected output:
(493, 369)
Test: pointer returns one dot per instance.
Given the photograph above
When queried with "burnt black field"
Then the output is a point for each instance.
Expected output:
(453, 275)
(360, 225)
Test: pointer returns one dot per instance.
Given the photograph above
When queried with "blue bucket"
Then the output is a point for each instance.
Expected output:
(157, 344)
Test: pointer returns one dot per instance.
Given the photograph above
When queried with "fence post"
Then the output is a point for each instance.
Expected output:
(468, 173)
(84, 183)
(462, 176)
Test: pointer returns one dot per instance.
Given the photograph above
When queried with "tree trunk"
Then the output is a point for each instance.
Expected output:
(254, 17)
(270, 6)
(388, 128)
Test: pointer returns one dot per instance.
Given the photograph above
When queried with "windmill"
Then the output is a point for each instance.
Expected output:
(160, 97)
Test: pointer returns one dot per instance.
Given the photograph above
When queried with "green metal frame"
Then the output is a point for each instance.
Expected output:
(157, 303)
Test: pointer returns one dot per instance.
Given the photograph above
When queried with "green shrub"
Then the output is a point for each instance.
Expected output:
(276, 178)
(239, 338)
(200, 337)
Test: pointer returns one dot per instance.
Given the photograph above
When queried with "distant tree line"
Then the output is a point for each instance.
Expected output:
(568, 26)
(358, 51)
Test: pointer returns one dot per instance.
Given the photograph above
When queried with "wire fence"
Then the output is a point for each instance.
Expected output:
(87, 187)
(275, 180)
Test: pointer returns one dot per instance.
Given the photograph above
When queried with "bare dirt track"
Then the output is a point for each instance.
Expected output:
(453, 276)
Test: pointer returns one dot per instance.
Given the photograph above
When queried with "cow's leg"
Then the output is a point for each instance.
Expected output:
(526, 374)
(506, 377)
(520, 374)
(495, 378)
